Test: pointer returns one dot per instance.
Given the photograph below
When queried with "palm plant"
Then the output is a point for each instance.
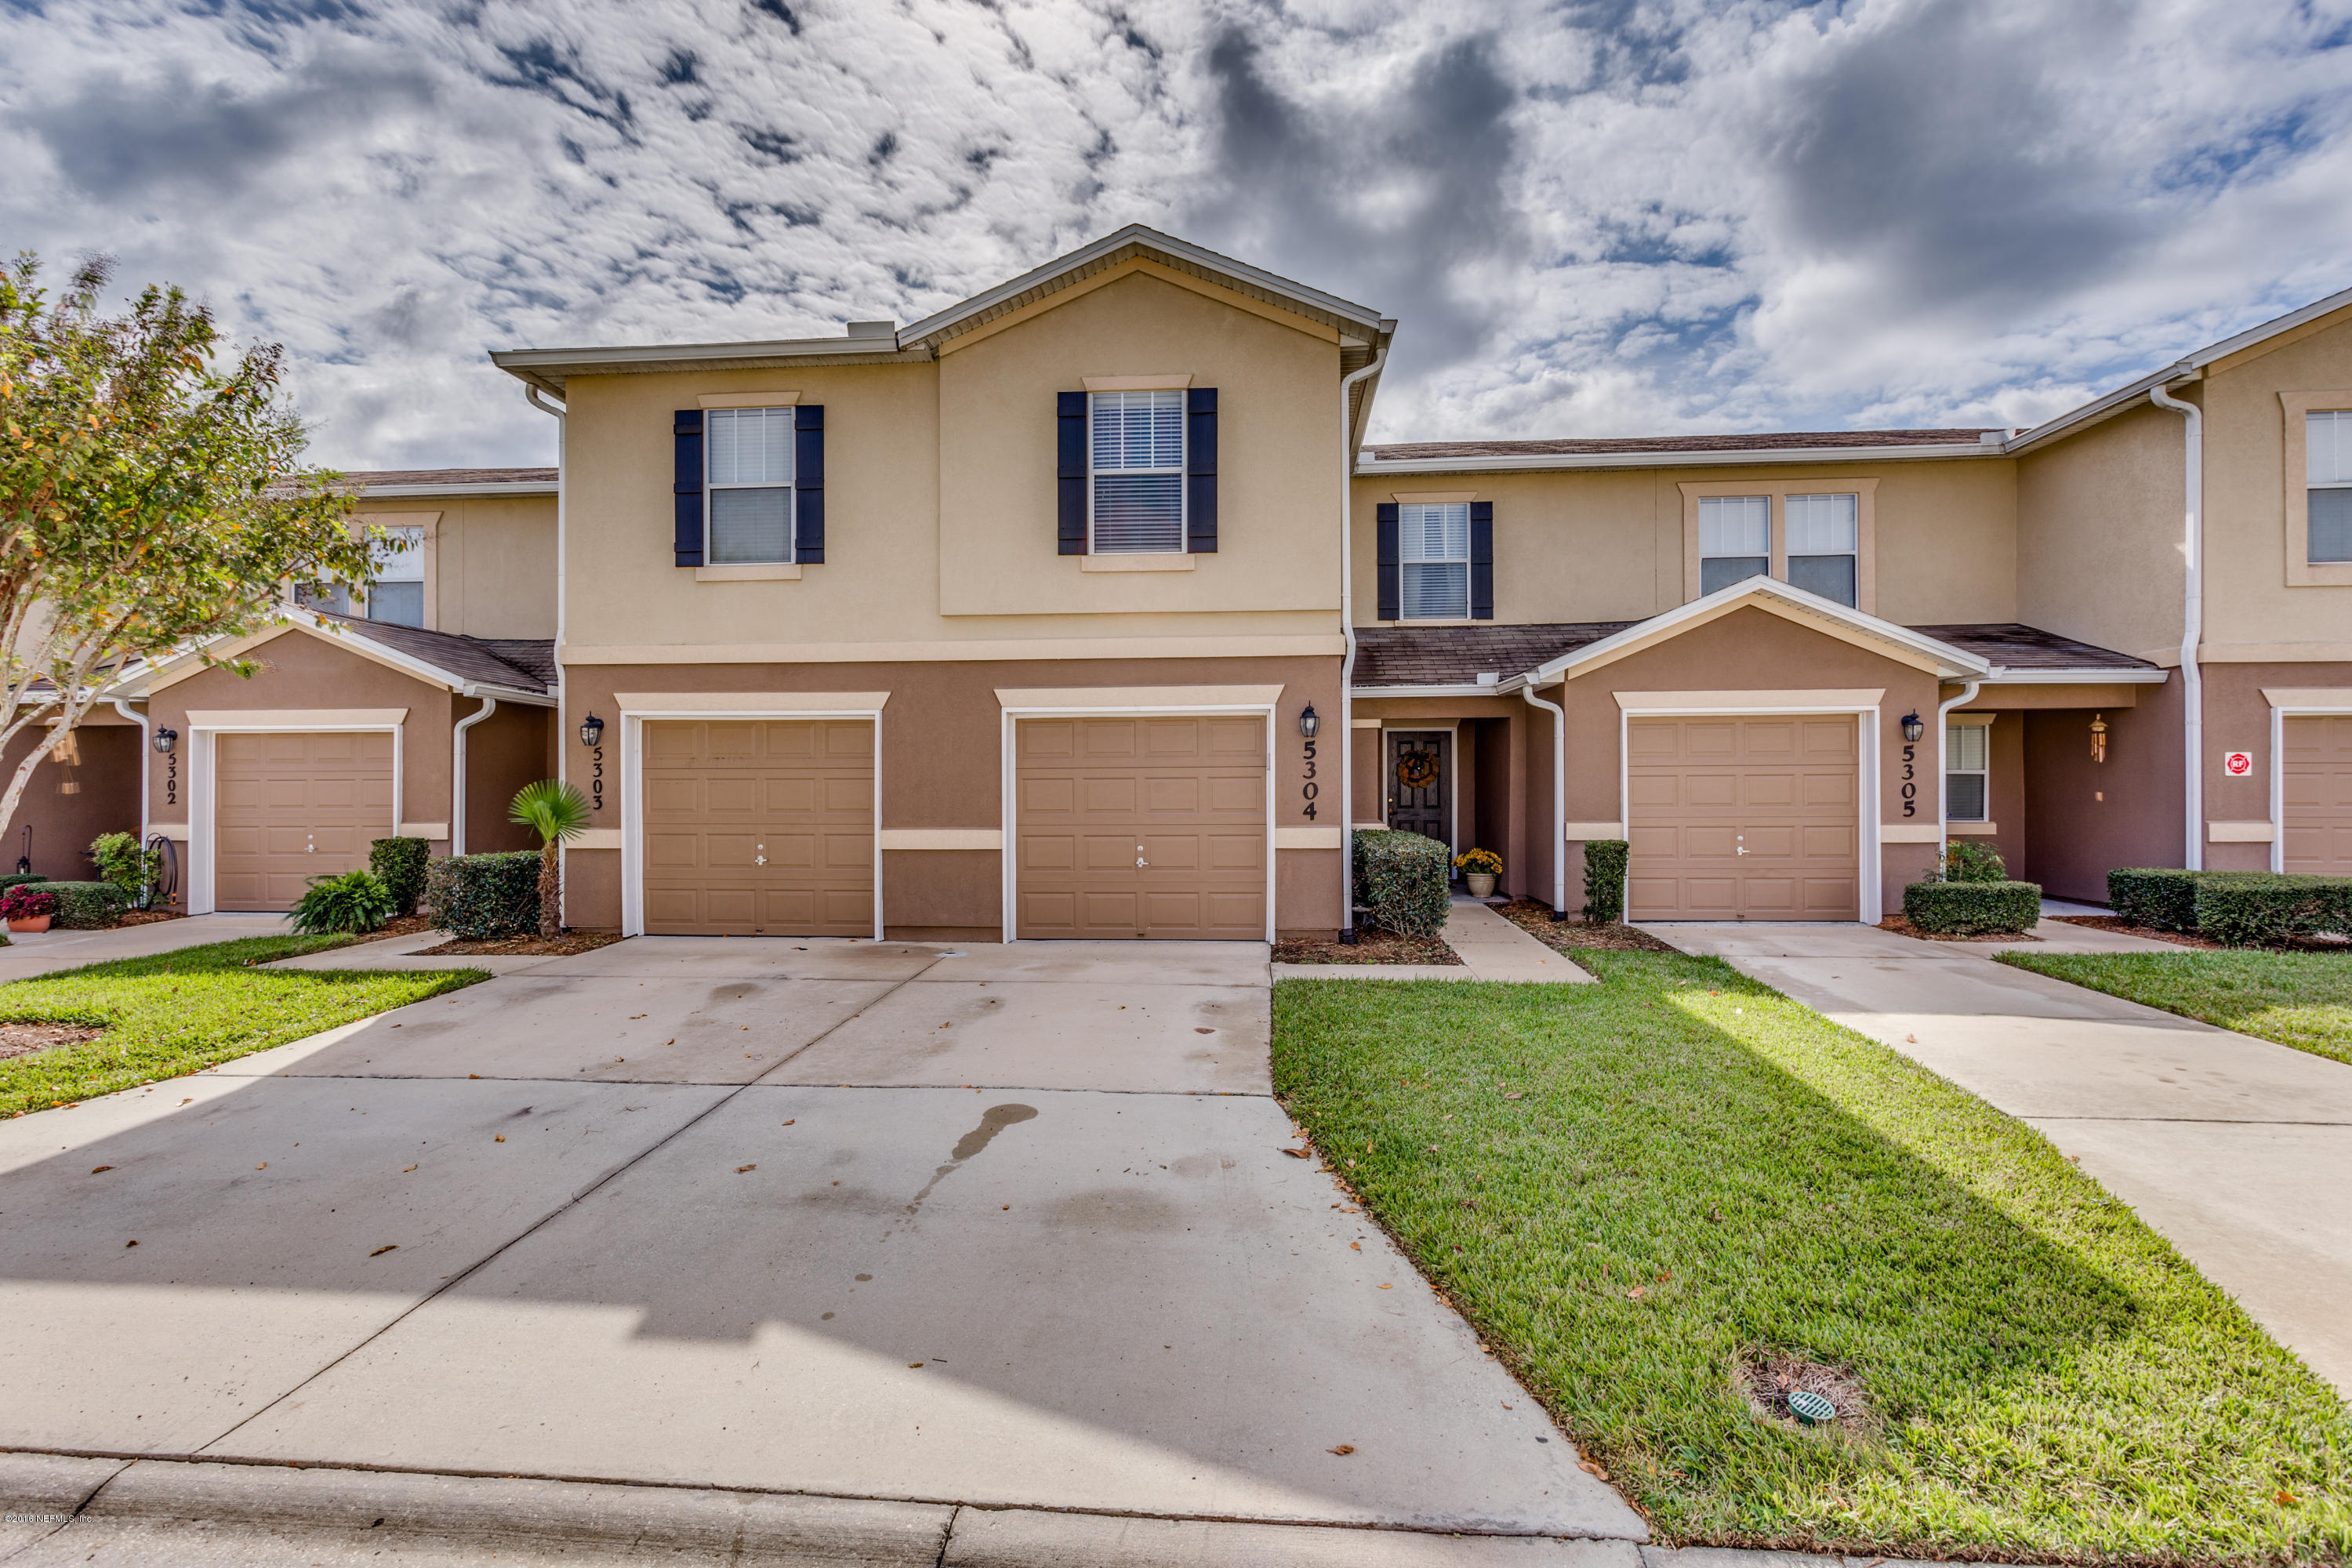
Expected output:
(556, 811)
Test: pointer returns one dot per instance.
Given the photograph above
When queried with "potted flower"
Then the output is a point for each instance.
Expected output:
(27, 908)
(1479, 868)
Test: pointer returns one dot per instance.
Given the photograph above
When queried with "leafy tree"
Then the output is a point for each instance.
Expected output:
(152, 496)
(555, 810)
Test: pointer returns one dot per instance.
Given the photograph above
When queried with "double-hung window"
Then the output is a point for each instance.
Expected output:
(2327, 466)
(749, 485)
(1433, 561)
(1735, 540)
(1135, 463)
(398, 595)
(1823, 534)
(1968, 767)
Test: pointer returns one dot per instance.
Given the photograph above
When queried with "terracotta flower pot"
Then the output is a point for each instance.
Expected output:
(32, 922)
(1481, 883)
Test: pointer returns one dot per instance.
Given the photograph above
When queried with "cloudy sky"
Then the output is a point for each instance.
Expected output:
(1593, 217)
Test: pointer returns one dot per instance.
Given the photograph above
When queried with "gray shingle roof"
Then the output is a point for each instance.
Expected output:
(527, 663)
(2015, 646)
(451, 479)
(1768, 441)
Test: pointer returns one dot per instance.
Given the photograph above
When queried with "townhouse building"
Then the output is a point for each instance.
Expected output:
(1082, 609)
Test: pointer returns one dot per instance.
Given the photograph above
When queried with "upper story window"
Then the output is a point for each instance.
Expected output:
(1822, 538)
(2327, 469)
(398, 595)
(749, 485)
(1735, 540)
(1136, 470)
(1433, 561)
(1968, 769)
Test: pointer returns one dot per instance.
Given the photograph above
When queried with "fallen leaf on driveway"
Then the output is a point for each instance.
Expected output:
(789, 1124)
(130, 1243)
(1198, 1030)
(262, 1166)
(1342, 1448)
(1298, 1153)
(1590, 1468)
(389, 1247)
(410, 1168)
(95, 1169)
(1388, 1287)
(634, 1016)
(913, 1365)
(1355, 1247)
(499, 1139)
(473, 1075)
(741, 1169)
(190, 1101)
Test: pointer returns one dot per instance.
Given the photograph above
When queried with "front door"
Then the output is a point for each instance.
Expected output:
(1420, 782)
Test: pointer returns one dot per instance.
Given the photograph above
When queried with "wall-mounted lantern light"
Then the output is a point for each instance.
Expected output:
(1913, 729)
(2098, 738)
(1309, 723)
(592, 730)
(165, 739)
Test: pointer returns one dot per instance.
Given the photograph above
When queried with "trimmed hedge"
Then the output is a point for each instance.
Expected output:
(2162, 897)
(482, 898)
(1402, 880)
(18, 879)
(2262, 909)
(1604, 880)
(1972, 909)
(89, 905)
(399, 864)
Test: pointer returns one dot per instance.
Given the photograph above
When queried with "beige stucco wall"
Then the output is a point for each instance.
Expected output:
(1608, 544)
(2099, 527)
(489, 560)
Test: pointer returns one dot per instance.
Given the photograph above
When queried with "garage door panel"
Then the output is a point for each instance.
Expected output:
(1164, 797)
(2316, 794)
(1766, 791)
(1703, 790)
(759, 827)
(291, 805)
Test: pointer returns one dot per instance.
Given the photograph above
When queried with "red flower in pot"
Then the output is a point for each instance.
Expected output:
(27, 908)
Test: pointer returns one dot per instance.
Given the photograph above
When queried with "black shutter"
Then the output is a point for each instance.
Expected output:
(1070, 470)
(1482, 561)
(688, 424)
(1201, 471)
(1391, 598)
(808, 484)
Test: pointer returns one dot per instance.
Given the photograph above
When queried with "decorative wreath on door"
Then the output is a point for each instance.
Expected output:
(1416, 769)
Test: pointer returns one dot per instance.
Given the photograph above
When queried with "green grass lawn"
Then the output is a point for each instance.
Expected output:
(175, 1012)
(2299, 999)
(1634, 1187)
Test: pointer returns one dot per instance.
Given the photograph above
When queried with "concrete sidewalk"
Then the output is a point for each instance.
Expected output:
(2238, 1150)
(43, 952)
(1490, 948)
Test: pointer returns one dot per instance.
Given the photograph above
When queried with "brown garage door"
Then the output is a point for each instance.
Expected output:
(1743, 819)
(759, 827)
(1141, 827)
(293, 806)
(2316, 791)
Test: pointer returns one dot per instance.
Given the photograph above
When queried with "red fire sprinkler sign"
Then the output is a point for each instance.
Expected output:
(2237, 765)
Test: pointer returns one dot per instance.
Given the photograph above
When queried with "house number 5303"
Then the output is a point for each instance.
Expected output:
(596, 778)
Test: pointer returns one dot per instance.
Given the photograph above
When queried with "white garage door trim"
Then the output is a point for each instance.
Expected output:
(632, 762)
(204, 799)
(2316, 702)
(1009, 789)
(1631, 707)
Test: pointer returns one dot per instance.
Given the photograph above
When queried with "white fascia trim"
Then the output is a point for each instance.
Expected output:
(1152, 239)
(2002, 674)
(514, 487)
(1961, 663)
(1369, 467)
(1365, 693)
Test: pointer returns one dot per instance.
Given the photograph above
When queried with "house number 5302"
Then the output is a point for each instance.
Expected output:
(1309, 789)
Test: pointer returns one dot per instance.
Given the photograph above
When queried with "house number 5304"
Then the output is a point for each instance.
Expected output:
(1309, 789)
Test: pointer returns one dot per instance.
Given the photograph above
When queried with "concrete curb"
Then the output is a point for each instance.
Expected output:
(1024, 1538)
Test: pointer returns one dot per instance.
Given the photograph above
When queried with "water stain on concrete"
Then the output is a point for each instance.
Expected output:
(992, 1120)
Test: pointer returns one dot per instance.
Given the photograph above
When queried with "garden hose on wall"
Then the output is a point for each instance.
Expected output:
(165, 885)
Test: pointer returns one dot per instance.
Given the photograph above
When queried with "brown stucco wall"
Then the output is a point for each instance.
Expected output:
(503, 753)
(2238, 718)
(2005, 788)
(2074, 837)
(941, 765)
(63, 824)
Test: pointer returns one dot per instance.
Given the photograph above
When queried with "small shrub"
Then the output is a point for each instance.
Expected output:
(89, 905)
(26, 904)
(120, 861)
(2263, 908)
(2162, 897)
(1402, 881)
(484, 898)
(1479, 863)
(399, 864)
(18, 879)
(353, 902)
(1966, 860)
(1972, 909)
(1604, 880)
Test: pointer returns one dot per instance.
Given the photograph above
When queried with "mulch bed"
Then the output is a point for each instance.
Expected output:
(1372, 947)
(23, 1039)
(1902, 927)
(148, 917)
(402, 925)
(1534, 917)
(570, 942)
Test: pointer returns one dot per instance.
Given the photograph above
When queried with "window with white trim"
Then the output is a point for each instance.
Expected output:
(747, 485)
(397, 598)
(1968, 772)
(2327, 467)
(1735, 540)
(1823, 534)
(1433, 561)
(1135, 472)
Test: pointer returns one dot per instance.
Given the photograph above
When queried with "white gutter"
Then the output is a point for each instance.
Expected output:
(1348, 634)
(502, 487)
(2192, 623)
(457, 773)
(122, 706)
(561, 414)
(1943, 773)
(1558, 799)
(1539, 461)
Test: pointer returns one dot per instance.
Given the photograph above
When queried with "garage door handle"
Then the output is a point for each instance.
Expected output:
(1142, 862)
(759, 860)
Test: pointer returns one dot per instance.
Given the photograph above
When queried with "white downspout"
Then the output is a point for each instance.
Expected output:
(457, 773)
(2192, 623)
(1943, 771)
(562, 414)
(1347, 635)
(1558, 799)
(122, 706)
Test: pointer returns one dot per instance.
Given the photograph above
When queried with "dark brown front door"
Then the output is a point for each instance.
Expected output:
(1420, 782)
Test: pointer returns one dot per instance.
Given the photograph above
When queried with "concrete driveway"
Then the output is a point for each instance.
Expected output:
(2237, 1150)
(1003, 1226)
